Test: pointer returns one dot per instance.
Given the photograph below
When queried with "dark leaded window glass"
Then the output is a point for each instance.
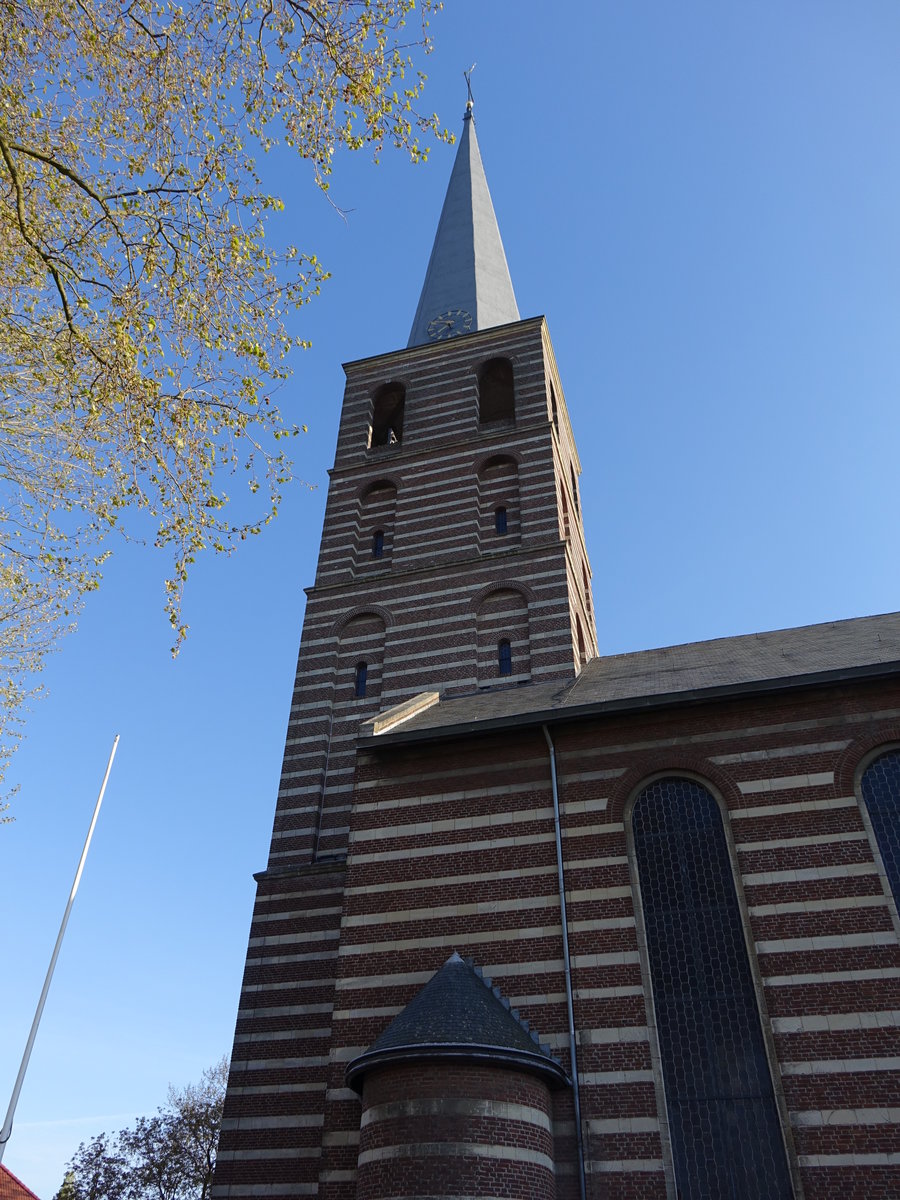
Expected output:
(500, 519)
(723, 1120)
(359, 686)
(378, 543)
(881, 792)
(504, 657)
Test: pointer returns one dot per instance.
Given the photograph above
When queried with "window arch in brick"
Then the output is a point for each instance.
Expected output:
(360, 662)
(502, 617)
(724, 1124)
(498, 488)
(387, 415)
(880, 787)
(496, 394)
(377, 507)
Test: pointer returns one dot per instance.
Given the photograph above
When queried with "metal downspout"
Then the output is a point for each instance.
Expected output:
(566, 968)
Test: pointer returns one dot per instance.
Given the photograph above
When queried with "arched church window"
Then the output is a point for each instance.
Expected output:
(554, 412)
(575, 500)
(504, 657)
(496, 397)
(503, 637)
(375, 519)
(359, 684)
(582, 652)
(723, 1118)
(361, 656)
(499, 511)
(880, 786)
(387, 415)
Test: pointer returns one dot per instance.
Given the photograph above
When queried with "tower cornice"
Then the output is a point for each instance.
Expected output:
(422, 352)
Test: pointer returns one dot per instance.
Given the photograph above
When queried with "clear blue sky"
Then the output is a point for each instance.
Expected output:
(704, 200)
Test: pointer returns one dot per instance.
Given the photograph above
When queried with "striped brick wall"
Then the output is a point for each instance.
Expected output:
(455, 1131)
(272, 1130)
(451, 847)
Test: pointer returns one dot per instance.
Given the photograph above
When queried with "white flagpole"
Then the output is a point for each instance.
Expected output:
(20, 1078)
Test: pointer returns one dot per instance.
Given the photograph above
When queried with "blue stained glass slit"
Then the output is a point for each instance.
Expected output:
(504, 657)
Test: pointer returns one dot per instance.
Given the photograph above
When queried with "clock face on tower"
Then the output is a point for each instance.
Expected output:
(449, 324)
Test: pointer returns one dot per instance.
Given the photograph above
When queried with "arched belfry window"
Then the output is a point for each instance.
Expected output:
(498, 503)
(723, 1118)
(496, 396)
(880, 787)
(503, 637)
(387, 415)
(361, 657)
(375, 523)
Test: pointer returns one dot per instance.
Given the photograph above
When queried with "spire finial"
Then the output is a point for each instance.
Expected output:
(470, 103)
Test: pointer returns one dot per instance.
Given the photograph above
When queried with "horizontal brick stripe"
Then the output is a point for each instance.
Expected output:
(413, 1150)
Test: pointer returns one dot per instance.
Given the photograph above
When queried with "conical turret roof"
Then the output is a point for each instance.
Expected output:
(467, 284)
(459, 1014)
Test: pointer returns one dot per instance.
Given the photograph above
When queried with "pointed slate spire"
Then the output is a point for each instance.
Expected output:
(467, 284)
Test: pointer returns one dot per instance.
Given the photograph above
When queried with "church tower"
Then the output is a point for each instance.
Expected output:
(452, 563)
(538, 924)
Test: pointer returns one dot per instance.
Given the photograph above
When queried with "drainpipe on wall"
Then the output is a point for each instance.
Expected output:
(566, 967)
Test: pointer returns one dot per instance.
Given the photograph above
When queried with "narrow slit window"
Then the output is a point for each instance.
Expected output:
(500, 523)
(378, 543)
(359, 685)
(504, 657)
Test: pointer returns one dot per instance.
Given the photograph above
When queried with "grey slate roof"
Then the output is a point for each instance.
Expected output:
(672, 674)
(467, 269)
(459, 1014)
